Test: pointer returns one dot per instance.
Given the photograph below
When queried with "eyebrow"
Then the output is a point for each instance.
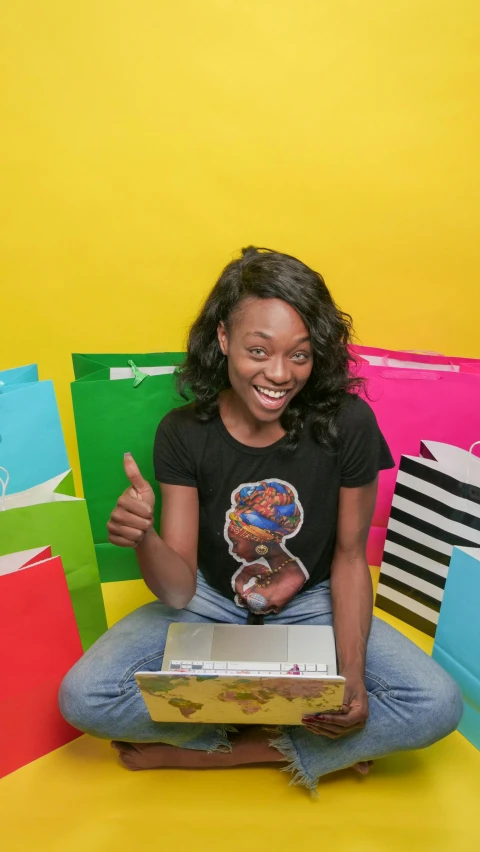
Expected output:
(266, 336)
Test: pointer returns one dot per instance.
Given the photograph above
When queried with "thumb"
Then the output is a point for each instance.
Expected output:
(133, 474)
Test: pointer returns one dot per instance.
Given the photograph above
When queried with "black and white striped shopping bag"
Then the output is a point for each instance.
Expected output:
(436, 505)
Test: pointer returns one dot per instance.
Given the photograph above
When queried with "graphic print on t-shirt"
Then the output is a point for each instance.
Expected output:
(261, 516)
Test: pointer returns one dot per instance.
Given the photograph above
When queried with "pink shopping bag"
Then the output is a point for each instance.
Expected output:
(414, 360)
(413, 405)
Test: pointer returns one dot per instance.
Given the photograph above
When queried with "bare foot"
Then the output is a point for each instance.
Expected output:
(363, 767)
(249, 746)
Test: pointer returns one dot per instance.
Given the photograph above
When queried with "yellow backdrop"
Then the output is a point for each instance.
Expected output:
(144, 142)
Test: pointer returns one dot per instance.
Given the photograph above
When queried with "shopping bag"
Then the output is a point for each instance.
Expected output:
(118, 402)
(39, 643)
(436, 506)
(50, 513)
(411, 405)
(414, 359)
(32, 447)
(457, 640)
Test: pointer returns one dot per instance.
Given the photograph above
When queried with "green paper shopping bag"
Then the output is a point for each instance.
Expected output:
(118, 402)
(51, 513)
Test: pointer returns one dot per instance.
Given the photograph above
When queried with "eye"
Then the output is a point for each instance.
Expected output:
(257, 352)
(301, 356)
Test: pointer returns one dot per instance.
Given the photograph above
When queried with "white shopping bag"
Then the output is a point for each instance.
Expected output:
(436, 506)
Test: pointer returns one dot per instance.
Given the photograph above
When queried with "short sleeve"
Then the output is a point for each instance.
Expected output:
(363, 448)
(172, 460)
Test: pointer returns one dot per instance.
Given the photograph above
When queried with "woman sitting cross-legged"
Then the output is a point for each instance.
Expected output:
(268, 484)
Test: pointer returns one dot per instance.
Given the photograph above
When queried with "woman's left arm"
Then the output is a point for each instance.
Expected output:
(352, 602)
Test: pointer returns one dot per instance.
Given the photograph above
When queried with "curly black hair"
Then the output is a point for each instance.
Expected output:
(267, 274)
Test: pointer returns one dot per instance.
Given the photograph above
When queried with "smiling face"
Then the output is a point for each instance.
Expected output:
(269, 355)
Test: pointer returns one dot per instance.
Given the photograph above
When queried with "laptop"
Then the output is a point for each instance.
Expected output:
(244, 674)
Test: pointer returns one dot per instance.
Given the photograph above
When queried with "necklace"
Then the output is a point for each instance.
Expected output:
(271, 571)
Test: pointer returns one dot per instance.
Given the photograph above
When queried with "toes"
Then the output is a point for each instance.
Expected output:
(362, 767)
(129, 762)
(128, 755)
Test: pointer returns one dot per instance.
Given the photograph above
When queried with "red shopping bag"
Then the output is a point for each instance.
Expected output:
(39, 643)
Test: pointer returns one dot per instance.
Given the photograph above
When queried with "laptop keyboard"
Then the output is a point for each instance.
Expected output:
(214, 667)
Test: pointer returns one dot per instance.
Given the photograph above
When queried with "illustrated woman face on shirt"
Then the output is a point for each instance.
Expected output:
(269, 355)
(243, 548)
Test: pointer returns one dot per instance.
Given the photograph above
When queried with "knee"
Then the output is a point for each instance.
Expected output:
(453, 704)
(74, 700)
(446, 705)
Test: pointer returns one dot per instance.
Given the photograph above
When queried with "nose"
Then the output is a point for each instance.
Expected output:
(278, 371)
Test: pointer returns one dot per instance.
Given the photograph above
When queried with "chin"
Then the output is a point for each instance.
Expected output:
(265, 414)
(268, 416)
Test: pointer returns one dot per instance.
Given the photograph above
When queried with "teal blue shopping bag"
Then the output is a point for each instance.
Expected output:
(32, 447)
(457, 639)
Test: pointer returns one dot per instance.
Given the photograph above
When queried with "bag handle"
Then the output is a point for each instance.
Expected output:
(410, 359)
(413, 375)
(470, 456)
(418, 355)
(3, 486)
(138, 376)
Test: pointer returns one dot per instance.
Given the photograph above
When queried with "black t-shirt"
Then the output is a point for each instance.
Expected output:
(268, 516)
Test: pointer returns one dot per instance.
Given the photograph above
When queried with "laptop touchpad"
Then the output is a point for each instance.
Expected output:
(250, 643)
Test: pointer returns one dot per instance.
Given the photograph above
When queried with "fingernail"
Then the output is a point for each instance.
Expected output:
(126, 454)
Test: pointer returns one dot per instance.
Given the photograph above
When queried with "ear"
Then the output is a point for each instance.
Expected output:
(222, 338)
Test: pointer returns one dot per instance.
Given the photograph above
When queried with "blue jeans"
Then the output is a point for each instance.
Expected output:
(413, 702)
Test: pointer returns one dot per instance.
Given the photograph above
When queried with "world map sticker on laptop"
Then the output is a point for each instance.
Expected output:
(232, 699)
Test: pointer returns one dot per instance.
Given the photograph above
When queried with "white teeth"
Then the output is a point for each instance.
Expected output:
(273, 394)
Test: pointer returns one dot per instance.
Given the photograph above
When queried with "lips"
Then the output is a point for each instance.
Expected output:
(269, 398)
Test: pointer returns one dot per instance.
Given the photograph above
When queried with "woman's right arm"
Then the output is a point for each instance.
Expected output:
(168, 562)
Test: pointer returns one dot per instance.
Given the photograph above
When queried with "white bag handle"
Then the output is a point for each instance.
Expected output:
(470, 456)
(395, 360)
(3, 485)
(390, 361)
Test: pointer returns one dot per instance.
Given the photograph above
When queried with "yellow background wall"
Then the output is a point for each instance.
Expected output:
(143, 142)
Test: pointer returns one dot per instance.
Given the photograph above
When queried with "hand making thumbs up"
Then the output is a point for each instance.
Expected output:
(132, 517)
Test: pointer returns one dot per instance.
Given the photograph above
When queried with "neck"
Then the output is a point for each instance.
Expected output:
(277, 555)
(244, 426)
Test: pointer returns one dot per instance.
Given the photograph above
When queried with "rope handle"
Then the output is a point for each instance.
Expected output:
(470, 457)
(3, 486)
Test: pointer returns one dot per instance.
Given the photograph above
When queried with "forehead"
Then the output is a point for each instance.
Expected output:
(270, 316)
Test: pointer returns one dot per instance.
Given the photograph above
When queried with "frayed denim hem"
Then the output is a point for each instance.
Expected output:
(222, 743)
(300, 778)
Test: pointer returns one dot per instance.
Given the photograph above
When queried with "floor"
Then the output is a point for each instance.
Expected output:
(79, 798)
